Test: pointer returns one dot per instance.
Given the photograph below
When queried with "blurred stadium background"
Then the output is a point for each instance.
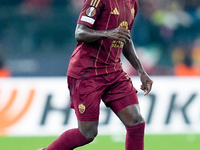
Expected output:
(36, 42)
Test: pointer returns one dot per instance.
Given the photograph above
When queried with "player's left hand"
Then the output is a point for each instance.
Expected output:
(146, 83)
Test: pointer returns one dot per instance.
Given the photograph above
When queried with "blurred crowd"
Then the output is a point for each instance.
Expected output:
(166, 33)
(42, 3)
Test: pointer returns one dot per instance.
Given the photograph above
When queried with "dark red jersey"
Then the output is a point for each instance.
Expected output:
(102, 56)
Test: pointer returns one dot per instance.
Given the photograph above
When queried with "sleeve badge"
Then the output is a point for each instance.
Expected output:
(91, 11)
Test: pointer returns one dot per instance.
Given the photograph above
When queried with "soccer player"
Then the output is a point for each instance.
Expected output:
(95, 73)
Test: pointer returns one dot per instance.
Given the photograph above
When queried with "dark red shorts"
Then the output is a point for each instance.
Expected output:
(115, 90)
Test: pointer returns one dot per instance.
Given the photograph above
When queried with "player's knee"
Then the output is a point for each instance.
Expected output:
(88, 129)
(138, 119)
(90, 134)
(135, 119)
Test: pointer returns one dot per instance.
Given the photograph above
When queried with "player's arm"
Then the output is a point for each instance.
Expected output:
(85, 34)
(130, 54)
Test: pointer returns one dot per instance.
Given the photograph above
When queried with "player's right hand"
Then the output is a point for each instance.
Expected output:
(119, 34)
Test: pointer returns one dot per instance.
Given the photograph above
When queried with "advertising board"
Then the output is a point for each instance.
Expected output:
(40, 106)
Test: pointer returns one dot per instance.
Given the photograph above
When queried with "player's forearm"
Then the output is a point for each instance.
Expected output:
(87, 35)
(130, 54)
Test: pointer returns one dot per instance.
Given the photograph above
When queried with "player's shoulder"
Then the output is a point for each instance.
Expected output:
(96, 3)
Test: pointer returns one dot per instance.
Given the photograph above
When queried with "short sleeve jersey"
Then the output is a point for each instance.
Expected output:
(102, 56)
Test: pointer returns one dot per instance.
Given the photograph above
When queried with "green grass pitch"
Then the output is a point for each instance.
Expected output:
(152, 142)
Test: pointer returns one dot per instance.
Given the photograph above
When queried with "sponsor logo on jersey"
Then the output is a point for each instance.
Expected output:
(117, 44)
(115, 11)
(81, 108)
(124, 24)
(120, 44)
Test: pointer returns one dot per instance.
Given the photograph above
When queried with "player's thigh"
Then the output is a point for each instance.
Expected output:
(127, 109)
(85, 99)
(121, 88)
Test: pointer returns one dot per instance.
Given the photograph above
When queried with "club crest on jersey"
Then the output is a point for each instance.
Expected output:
(91, 11)
(133, 11)
(81, 108)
